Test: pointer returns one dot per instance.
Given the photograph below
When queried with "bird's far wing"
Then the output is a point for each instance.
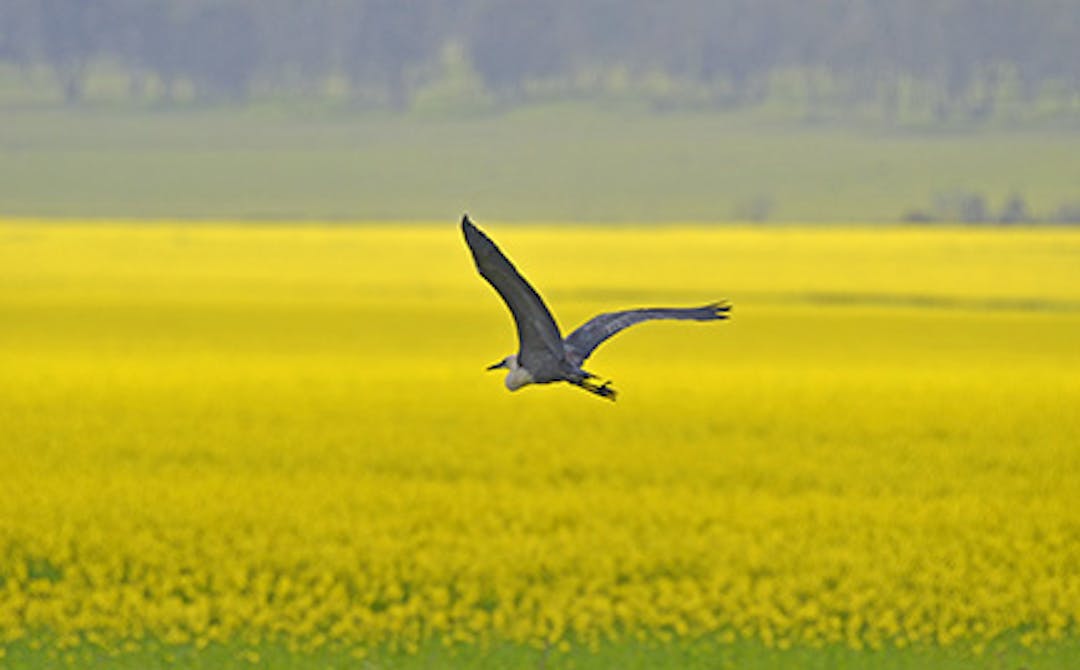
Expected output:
(537, 330)
(583, 341)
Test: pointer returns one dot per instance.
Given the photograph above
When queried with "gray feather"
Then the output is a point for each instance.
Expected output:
(583, 341)
(538, 334)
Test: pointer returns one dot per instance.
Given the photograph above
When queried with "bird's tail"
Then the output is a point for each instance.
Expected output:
(603, 390)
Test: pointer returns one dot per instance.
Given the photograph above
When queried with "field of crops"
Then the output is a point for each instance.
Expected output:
(248, 437)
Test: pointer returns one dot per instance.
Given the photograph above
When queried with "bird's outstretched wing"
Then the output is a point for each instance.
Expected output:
(537, 331)
(583, 341)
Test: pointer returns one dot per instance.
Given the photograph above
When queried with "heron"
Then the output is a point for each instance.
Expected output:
(543, 355)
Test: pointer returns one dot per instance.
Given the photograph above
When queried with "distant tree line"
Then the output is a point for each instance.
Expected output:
(949, 59)
(973, 207)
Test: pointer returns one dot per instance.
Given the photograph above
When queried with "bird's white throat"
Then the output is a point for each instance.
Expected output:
(517, 376)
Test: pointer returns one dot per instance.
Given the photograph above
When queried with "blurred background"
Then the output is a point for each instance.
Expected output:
(697, 110)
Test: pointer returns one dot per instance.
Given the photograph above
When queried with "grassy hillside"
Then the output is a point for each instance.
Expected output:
(564, 164)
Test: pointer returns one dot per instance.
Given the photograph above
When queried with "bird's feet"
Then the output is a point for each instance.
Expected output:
(603, 390)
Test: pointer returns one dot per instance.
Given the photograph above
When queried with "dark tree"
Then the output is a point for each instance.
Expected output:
(741, 48)
(18, 25)
(389, 37)
(300, 44)
(1015, 210)
(69, 39)
(514, 41)
(220, 51)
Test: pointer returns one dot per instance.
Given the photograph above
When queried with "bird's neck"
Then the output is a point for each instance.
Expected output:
(517, 376)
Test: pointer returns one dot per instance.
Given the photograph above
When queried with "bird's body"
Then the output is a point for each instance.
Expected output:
(543, 355)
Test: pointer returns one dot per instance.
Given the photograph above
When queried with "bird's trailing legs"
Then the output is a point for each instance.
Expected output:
(603, 390)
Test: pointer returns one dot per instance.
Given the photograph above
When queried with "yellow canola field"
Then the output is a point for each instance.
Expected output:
(284, 432)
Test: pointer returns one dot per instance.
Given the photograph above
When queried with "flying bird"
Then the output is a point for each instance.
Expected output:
(543, 355)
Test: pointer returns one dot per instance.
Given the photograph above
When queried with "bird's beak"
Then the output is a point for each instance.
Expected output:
(496, 366)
